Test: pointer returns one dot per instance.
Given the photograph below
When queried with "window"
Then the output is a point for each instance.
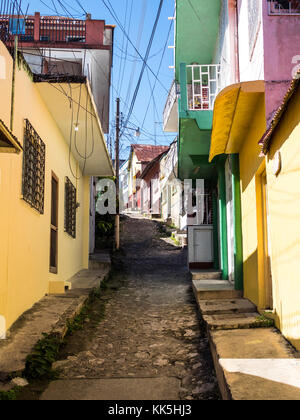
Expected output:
(70, 208)
(33, 168)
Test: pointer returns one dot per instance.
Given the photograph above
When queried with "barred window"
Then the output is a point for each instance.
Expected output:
(70, 208)
(33, 179)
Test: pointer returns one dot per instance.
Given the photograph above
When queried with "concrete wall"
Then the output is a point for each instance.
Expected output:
(25, 233)
(284, 222)
(250, 163)
(281, 56)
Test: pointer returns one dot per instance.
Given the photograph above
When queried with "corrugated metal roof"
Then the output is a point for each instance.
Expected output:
(146, 153)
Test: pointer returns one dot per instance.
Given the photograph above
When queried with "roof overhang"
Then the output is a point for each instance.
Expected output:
(233, 113)
(72, 106)
(8, 142)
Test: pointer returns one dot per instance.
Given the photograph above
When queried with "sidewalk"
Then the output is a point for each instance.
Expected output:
(252, 362)
(50, 316)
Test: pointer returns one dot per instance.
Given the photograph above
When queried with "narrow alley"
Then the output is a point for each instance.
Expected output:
(150, 344)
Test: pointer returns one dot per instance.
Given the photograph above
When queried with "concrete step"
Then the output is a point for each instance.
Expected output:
(215, 289)
(99, 261)
(206, 274)
(233, 321)
(226, 306)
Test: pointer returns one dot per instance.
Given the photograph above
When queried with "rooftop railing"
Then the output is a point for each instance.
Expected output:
(50, 29)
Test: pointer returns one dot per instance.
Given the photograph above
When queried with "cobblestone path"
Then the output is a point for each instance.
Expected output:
(151, 327)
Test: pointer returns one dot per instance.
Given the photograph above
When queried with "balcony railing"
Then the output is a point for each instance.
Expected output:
(284, 7)
(203, 85)
(62, 30)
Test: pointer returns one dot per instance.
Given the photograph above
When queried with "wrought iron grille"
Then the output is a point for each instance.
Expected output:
(70, 208)
(33, 178)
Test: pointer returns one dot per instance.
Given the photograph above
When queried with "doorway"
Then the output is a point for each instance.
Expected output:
(54, 225)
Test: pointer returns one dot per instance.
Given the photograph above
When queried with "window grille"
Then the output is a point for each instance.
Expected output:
(33, 178)
(70, 208)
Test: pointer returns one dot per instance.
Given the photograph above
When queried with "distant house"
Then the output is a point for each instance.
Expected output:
(150, 187)
(124, 185)
(140, 157)
(171, 188)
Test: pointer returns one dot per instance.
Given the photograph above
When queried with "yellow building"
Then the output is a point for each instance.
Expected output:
(51, 143)
(270, 196)
(281, 181)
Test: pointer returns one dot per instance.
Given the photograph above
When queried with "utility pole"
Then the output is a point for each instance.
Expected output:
(117, 169)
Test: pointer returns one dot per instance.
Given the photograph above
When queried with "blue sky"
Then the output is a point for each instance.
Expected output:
(137, 17)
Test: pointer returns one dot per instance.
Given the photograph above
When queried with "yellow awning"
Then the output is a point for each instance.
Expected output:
(233, 112)
(8, 142)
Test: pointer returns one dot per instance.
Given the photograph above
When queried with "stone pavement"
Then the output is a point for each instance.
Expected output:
(151, 343)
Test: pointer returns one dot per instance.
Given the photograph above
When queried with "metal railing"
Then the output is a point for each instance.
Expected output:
(6, 36)
(62, 30)
(284, 7)
(203, 86)
(51, 30)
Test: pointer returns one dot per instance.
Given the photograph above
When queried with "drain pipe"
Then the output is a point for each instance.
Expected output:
(13, 83)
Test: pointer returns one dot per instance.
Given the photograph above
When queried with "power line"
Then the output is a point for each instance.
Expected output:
(144, 61)
(112, 12)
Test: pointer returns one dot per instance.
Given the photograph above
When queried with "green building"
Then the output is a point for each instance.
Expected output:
(201, 34)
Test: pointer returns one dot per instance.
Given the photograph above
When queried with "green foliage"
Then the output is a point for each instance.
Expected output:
(11, 395)
(39, 362)
(105, 228)
(263, 322)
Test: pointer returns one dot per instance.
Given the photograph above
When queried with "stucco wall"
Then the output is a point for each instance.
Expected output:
(251, 59)
(284, 222)
(24, 233)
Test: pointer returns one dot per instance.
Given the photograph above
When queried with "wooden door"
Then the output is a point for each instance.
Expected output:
(54, 225)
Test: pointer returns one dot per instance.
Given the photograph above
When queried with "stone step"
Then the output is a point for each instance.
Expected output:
(99, 261)
(206, 274)
(226, 306)
(215, 289)
(234, 321)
